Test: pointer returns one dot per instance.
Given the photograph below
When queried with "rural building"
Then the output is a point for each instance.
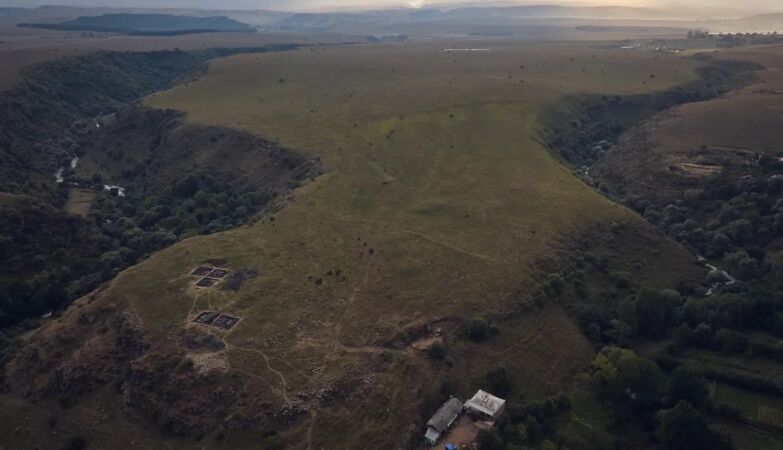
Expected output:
(442, 420)
(485, 406)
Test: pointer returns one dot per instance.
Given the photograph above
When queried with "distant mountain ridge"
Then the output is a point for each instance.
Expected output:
(558, 11)
(147, 24)
(177, 21)
(760, 22)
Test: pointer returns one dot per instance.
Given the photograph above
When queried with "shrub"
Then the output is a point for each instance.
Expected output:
(498, 382)
(684, 428)
(622, 279)
(76, 443)
(687, 384)
(489, 440)
(554, 285)
(477, 329)
(731, 341)
(437, 350)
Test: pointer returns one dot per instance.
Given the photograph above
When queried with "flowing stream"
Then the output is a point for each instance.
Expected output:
(725, 275)
(59, 178)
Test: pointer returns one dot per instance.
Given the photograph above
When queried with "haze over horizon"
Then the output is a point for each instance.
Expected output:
(711, 6)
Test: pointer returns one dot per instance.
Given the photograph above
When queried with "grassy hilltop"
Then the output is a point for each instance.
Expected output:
(436, 204)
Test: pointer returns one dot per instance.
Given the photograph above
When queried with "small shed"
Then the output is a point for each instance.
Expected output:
(485, 405)
(442, 420)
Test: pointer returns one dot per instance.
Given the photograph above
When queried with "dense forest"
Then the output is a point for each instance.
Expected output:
(733, 220)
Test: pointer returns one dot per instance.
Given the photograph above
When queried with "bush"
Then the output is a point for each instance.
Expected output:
(687, 384)
(76, 443)
(622, 279)
(684, 428)
(498, 382)
(437, 350)
(554, 285)
(489, 440)
(477, 329)
(731, 341)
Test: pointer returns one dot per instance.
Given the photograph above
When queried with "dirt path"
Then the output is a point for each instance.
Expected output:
(336, 345)
(309, 437)
(284, 384)
(136, 313)
(449, 246)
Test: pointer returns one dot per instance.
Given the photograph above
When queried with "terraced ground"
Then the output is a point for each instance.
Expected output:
(435, 205)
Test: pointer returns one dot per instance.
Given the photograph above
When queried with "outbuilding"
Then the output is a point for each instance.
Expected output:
(442, 420)
(485, 406)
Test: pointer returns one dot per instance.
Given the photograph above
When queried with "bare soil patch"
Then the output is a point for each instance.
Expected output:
(206, 282)
(216, 319)
(218, 273)
(210, 276)
(201, 271)
(463, 433)
(225, 321)
(206, 317)
(234, 280)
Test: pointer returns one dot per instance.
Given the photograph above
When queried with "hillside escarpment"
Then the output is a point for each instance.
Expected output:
(43, 117)
(176, 180)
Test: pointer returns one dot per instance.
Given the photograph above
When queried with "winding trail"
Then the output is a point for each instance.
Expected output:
(336, 345)
(284, 384)
(449, 246)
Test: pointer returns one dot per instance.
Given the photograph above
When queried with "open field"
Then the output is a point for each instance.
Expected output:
(20, 48)
(746, 438)
(79, 201)
(436, 205)
(752, 404)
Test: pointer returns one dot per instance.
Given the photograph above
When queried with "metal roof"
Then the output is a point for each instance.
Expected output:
(445, 415)
(432, 435)
(485, 402)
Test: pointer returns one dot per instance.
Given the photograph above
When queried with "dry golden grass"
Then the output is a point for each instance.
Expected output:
(79, 201)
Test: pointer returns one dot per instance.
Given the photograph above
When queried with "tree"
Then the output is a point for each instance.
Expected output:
(651, 312)
(554, 285)
(627, 313)
(742, 265)
(620, 332)
(720, 245)
(76, 443)
(437, 350)
(489, 440)
(478, 329)
(672, 301)
(498, 382)
(740, 230)
(731, 341)
(626, 379)
(687, 384)
(684, 428)
(703, 335)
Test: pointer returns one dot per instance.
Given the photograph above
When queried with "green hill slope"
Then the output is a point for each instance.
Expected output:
(437, 205)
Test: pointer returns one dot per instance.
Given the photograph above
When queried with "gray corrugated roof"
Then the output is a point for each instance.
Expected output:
(485, 402)
(445, 415)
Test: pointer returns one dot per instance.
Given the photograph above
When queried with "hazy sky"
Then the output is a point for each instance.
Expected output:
(299, 5)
